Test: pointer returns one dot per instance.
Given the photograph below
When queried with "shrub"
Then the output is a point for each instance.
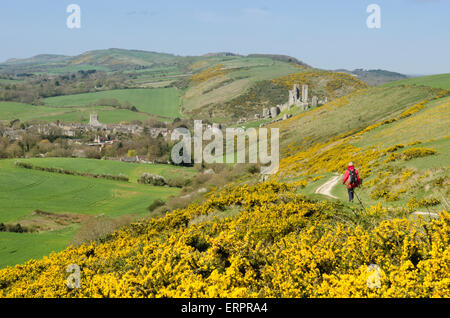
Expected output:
(440, 182)
(413, 109)
(409, 154)
(155, 204)
(14, 228)
(393, 157)
(429, 202)
(413, 143)
(394, 148)
(152, 179)
(417, 153)
(99, 229)
(253, 169)
(177, 182)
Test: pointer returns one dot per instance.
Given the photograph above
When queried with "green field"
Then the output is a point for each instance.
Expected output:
(108, 115)
(22, 191)
(71, 69)
(18, 248)
(162, 102)
(94, 166)
(438, 81)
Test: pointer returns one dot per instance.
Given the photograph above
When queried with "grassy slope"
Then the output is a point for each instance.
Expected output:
(132, 170)
(22, 191)
(240, 74)
(114, 57)
(429, 125)
(355, 112)
(17, 248)
(438, 81)
(160, 102)
(24, 112)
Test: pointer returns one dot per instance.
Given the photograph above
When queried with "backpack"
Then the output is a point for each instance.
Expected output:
(352, 177)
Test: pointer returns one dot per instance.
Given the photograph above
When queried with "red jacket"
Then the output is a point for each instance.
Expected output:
(347, 175)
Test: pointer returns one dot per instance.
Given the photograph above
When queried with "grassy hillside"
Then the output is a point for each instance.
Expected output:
(375, 77)
(233, 77)
(23, 191)
(227, 92)
(131, 170)
(160, 102)
(350, 113)
(400, 163)
(114, 57)
(217, 87)
(108, 115)
(438, 81)
(105, 60)
(278, 245)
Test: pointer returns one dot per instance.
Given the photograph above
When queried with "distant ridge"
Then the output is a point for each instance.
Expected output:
(280, 57)
(374, 77)
(41, 58)
(220, 54)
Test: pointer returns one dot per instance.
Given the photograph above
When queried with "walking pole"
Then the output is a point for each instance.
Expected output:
(359, 199)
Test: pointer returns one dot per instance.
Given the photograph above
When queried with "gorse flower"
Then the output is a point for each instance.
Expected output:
(279, 245)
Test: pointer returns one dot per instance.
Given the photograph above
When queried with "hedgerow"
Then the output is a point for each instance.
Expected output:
(30, 166)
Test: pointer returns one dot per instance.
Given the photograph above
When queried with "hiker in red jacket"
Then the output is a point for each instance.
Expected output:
(351, 180)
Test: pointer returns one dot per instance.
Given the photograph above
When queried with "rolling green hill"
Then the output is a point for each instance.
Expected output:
(131, 170)
(23, 191)
(159, 101)
(397, 136)
(220, 80)
(107, 60)
(438, 81)
(218, 87)
(117, 57)
(24, 112)
(375, 77)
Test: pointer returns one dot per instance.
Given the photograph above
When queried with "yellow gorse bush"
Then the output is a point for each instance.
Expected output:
(209, 73)
(333, 83)
(279, 245)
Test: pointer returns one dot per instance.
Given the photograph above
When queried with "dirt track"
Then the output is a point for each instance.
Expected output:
(326, 188)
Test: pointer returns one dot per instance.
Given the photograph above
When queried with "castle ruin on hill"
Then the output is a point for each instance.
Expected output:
(295, 99)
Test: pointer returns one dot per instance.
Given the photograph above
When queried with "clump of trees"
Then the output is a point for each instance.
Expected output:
(14, 228)
(152, 179)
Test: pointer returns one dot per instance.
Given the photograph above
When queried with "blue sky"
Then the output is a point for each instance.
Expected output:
(330, 34)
